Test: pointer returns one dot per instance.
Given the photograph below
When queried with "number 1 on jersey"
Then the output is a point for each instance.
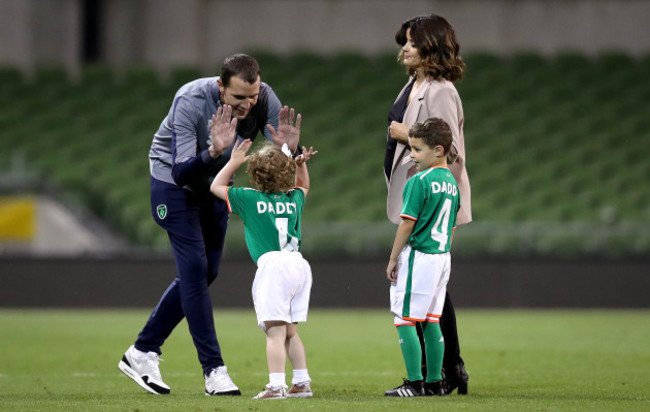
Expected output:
(287, 243)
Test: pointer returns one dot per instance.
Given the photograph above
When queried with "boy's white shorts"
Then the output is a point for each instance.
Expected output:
(418, 295)
(282, 287)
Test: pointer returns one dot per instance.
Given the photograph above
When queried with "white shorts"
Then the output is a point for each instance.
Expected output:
(418, 295)
(282, 287)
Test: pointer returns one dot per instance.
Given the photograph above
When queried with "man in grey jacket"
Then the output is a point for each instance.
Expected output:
(193, 143)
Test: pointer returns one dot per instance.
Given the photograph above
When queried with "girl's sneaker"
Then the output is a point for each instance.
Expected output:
(272, 393)
(300, 390)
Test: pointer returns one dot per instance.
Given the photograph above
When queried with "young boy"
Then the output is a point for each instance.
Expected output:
(420, 261)
(282, 284)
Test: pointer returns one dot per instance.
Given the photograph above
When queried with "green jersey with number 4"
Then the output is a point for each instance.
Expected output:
(271, 220)
(431, 199)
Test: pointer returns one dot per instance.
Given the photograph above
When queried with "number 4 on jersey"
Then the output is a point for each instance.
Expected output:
(440, 228)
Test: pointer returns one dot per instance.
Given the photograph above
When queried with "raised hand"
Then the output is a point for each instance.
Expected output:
(287, 131)
(305, 155)
(238, 154)
(222, 131)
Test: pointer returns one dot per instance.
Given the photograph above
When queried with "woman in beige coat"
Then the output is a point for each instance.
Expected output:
(430, 54)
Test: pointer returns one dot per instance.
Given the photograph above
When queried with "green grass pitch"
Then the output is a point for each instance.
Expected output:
(551, 360)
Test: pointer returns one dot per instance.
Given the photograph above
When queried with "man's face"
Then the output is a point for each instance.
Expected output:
(242, 96)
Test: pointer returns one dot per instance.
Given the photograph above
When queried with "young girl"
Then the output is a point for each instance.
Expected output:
(282, 285)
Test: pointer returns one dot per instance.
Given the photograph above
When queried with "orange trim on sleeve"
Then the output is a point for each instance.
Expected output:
(228, 200)
(408, 217)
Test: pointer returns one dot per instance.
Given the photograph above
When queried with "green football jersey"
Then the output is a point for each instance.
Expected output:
(271, 220)
(432, 199)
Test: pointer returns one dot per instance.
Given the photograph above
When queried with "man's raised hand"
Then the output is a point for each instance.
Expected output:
(288, 132)
(223, 130)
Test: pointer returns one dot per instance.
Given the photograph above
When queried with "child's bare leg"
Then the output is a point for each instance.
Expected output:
(295, 348)
(276, 358)
(276, 335)
(300, 381)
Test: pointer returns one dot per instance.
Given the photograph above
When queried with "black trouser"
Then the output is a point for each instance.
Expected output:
(449, 333)
(196, 229)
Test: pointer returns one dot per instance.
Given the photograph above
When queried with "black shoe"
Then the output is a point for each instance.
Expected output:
(408, 389)
(456, 377)
(436, 388)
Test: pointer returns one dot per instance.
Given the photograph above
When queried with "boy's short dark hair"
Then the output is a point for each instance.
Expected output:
(240, 65)
(434, 132)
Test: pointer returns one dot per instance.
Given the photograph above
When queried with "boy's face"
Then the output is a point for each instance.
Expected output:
(425, 156)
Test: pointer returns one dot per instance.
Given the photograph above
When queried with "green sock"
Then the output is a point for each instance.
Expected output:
(411, 351)
(434, 346)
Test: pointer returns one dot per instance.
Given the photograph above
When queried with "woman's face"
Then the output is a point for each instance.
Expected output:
(411, 56)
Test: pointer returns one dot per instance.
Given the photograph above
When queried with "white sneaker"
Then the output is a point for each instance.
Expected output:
(142, 367)
(300, 390)
(219, 383)
(272, 393)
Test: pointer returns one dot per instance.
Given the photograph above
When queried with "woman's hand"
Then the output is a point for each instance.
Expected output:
(399, 132)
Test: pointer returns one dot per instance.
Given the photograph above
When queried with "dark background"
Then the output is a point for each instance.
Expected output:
(507, 283)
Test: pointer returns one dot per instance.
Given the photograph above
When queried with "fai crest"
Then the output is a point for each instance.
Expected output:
(162, 211)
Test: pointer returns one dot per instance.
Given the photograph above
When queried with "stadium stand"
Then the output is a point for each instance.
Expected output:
(557, 146)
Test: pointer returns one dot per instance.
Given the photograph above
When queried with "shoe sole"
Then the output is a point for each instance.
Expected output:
(126, 369)
(403, 393)
(269, 399)
(301, 395)
(235, 392)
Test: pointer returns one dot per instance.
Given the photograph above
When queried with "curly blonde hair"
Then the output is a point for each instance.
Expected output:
(436, 43)
(271, 170)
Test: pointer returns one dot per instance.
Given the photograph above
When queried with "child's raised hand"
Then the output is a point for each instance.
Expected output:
(305, 155)
(239, 151)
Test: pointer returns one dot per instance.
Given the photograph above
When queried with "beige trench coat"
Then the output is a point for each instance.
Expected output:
(433, 99)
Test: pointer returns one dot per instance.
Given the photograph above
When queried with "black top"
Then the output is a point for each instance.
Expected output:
(396, 114)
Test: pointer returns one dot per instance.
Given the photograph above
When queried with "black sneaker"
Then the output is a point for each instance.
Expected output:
(436, 388)
(407, 390)
(457, 377)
